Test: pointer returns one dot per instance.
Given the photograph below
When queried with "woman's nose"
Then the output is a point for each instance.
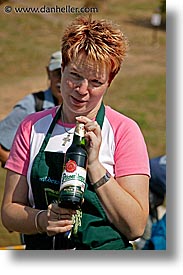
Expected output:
(83, 86)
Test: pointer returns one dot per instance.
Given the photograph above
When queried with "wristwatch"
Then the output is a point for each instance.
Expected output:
(102, 181)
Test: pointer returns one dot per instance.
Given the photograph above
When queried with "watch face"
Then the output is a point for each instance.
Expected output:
(107, 175)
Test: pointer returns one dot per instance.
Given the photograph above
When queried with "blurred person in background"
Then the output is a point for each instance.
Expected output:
(154, 237)
(31, 103)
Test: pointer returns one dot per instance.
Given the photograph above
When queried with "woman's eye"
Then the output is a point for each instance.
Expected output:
(75, 75)
(97, 82)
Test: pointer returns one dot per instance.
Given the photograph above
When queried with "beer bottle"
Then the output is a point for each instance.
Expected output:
(74, 172)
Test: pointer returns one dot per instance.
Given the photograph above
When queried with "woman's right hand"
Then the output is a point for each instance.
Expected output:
(94, 138)
(57, 220)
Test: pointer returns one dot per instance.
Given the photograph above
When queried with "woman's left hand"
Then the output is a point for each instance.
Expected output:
(93, 136)
(59, 220)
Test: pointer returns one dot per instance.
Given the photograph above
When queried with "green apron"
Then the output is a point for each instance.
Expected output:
(96, 232)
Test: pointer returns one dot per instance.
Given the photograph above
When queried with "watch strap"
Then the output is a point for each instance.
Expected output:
(102, 181)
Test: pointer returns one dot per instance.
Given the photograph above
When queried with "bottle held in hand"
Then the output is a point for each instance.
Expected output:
(74, 173)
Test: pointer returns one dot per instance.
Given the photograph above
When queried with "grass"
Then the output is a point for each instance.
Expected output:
(6, 238)
(139, 90)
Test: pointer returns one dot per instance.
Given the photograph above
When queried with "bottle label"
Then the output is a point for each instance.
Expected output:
(73, 176)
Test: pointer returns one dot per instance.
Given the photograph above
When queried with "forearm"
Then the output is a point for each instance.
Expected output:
(19, 218)
(23, 219)
(122, 209)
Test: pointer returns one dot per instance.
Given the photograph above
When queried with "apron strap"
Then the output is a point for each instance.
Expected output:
(100, 115)
(50, 130)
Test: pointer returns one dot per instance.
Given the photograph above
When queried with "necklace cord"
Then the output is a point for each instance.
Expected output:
(62, 119)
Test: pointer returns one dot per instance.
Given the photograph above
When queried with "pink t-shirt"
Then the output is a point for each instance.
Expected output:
(122, 152)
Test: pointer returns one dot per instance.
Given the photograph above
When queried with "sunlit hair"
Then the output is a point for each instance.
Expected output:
(100, 39)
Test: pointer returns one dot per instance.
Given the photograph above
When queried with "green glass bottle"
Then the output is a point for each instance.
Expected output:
(73, 178)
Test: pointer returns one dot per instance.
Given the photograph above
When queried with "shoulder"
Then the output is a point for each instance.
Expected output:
(34, 118)
(130, 151)
(42, 94)
(30, 98)
(124, 129)
(120, 122)
(26, 105)
(47, 92)
(26, 99)
(35, 123)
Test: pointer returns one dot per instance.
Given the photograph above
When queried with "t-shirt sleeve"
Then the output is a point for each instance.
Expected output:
(18, 160)
(131, 156)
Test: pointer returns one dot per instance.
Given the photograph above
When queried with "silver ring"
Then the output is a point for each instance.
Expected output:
(58, 217)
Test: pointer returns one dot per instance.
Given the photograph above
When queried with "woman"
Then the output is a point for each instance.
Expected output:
(115, 207)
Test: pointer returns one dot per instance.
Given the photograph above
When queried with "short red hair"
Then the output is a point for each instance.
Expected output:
(100, 39)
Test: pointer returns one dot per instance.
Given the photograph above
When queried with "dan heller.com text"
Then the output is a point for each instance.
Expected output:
(55, 9)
